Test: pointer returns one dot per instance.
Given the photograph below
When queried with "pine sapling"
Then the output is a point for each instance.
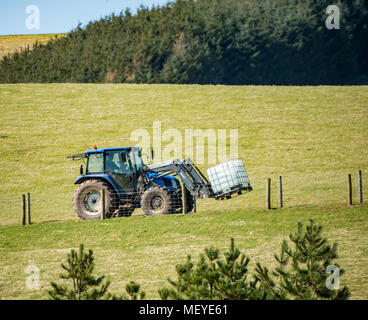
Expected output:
(302, 271)
(83, 285)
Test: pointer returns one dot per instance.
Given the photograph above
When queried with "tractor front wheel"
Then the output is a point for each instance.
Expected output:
(156, 201)
(88, 202)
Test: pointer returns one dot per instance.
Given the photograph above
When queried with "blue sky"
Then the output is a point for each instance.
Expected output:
(58, 16)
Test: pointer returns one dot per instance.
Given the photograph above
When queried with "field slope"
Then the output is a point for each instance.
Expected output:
(16, 43)
(146, 249)
(312, 136)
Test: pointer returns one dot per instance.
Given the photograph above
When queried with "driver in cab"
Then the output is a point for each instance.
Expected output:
(116, 166)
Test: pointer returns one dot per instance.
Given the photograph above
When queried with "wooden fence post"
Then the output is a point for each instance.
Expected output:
(29, 207)
(350, 191)
(281, 199)
(184, 198)
(24, 209)
(103, 212)
(360, 187)
(268, 194)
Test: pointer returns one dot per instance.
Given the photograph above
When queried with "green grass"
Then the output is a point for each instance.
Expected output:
(16, 43)
(146, 249)
(312, 136)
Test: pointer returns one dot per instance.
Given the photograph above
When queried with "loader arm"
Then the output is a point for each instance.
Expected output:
(192, 178)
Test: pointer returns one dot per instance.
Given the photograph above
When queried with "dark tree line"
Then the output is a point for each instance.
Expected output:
(207, 42)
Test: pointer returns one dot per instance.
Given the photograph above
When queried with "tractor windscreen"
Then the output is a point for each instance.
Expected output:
(135, 156)
(95, 163)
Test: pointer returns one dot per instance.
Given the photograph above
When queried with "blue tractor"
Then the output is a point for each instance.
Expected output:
(130, 184)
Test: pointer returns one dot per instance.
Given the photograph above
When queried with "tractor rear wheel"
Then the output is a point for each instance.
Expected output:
(88, 202)
(156, 201)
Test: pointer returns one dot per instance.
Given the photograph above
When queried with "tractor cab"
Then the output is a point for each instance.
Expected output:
(121, 167)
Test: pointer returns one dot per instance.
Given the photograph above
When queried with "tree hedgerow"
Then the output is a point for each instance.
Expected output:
(206, 42)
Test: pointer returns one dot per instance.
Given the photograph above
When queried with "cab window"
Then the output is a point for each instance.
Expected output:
(136, 159)
(116, 162)
(95, 163)
(113, 162)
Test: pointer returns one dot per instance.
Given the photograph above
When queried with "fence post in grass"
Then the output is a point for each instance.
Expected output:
(268, 194)
(103, 213)
(29, 207)
(281, 200)
(350, 191)
(184, 198)
(360, 187)
(24, 209)
(195, 205)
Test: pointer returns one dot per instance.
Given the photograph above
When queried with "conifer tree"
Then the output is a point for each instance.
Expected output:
(301, 271)
(134, 292)
(83, 284)
(213, 277)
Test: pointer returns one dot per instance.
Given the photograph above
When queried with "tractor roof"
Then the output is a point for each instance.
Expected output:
(106, 149)
(88, 152)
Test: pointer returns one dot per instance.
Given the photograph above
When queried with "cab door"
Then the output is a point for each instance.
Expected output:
(118, 167)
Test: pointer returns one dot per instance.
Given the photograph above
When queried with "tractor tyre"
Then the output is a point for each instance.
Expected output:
(87, 200)
(156, 201)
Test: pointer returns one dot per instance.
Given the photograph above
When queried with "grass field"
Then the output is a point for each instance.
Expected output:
(146, 249)
(312, 136)
(16, 43)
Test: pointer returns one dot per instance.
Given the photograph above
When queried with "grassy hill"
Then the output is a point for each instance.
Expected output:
(146, 249)
(312, 136)
(16, 43)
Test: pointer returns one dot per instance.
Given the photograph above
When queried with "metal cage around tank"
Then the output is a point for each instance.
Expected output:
(228, 178)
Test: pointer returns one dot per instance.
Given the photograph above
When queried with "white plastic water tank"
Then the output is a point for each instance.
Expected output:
(228, 176)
